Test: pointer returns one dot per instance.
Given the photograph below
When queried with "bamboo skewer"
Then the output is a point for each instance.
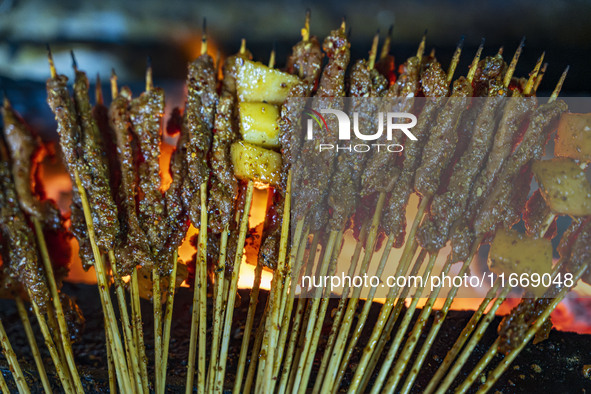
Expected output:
(275, 301)
(218, 301)
(168, 319)
(504, 364)
(297, 318)
(330, 247)
(22, 311)
(198, 321)
(255, 350)
(401, 332)
(110, 363)
(201, 269)
(59, 312)
(340, 311)
(339, 346)
(232, 290)
(320, 320)
(404, 262)
(15, 367)
(457, 346)
(136, 314)
(3, 386)
(117, 347)
(130, 348)
(60, 368)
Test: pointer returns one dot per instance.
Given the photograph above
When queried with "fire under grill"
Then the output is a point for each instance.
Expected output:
(199, 200)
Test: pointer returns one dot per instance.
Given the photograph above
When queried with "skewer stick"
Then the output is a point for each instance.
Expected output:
(306, 28)
(457, 346)
(330, 246)
(114, 88)
(474, 65)
(232, 289)
(387, 332)
(540, 77)
(168, 319)
(3, 385)
(118, 353)
(255, 350)
(15, 367)
(405, 260)
(136, 313)
(320, 320)
(455, 60)
(303, 312)
(390, 385)
(218, 302)
(558, 87)
(423, 317)
(254, 299)
(340, 311)
(204, 38)
(60, 368)
(61, 320)
(339, 346)
(131, 349)
(387, 43)
(201, 269)
(275, 301)
(22, 311)
(242, 50)
(467, 351)
(421, 49)
(110, 363)
(297, 319)
(513, 64)
(504, 364)
(373, 53)
(533, 76)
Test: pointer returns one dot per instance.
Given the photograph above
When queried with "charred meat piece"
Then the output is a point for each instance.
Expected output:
(132, 248)
(20, 248)
(450, 206)
(196, 130)
(94, 171)
(224, 186)
(496, 206)
(345, 184)
(146, 118)
(536, 216)
(442, 140)
(380, 172)
(434, 82)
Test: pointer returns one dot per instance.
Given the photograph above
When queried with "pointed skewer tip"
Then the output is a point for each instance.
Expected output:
(74, 62)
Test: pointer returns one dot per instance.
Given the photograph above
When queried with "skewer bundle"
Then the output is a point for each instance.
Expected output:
(243, 132)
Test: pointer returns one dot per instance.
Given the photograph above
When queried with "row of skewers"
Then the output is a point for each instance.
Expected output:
(245, 131)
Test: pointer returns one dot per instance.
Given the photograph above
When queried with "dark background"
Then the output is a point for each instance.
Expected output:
(118, 34)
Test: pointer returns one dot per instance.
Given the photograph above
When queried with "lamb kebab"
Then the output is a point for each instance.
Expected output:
(509, 201)
(87, 167)
(312, 172)
(434, 83)
(401, 93)
(194, 145)
(480, 142)
(508, 128)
